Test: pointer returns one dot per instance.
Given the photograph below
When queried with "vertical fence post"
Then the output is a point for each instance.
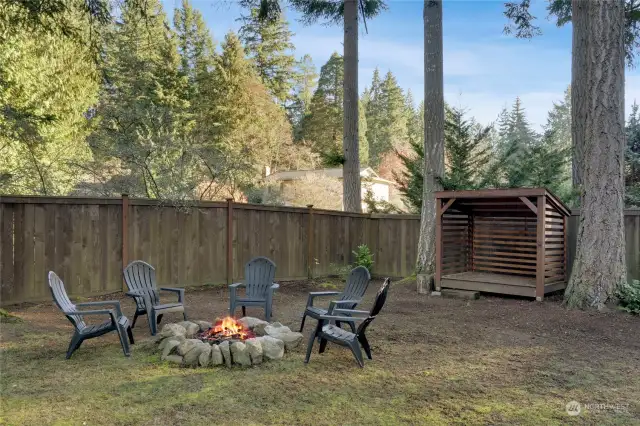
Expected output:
(125, 236)
(310, 242)
(229, 240)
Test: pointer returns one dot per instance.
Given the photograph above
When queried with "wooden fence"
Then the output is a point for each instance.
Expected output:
(82, 240)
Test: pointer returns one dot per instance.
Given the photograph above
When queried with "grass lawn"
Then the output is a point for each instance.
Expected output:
(436, 361)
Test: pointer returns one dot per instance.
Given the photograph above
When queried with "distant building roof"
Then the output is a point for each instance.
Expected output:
(365, 172)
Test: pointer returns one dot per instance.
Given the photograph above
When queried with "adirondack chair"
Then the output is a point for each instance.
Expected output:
(117, 321)
(325, 331)
(259, 287)
(141, 281)
(354, 290)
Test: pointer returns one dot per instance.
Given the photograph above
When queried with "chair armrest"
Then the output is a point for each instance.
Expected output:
(350, 311)
(337, 303)
(314, 294)
(114, 303)
(275, 286)
(180, 292)
(109, 312)
(341, 318)
(236, 285)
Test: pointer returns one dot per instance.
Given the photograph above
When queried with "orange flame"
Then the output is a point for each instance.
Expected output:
(229, 327)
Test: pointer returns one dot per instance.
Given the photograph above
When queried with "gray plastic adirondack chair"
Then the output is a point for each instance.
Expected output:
(141, 281)
(259, 287)
(357, 283)
(117, 321)
(325, 331)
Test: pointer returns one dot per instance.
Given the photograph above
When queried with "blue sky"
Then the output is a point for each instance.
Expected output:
(484, 70)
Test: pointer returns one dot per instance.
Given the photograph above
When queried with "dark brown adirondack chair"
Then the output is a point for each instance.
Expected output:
(117, 321)
(354, 290)
(259, 287)
(325, 331)
(141, 281)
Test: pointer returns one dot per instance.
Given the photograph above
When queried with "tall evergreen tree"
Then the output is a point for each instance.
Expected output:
(268, 44)
(466, 154)
(47, 84)
(307, 80)
(195, 46)
(252, 129)
(142, 114)
(323, 125)
(374, 113)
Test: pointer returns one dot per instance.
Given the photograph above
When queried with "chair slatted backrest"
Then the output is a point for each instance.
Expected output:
(62, 300)
(381, 297)
(259, 274)
(357, 284)
(141, 277)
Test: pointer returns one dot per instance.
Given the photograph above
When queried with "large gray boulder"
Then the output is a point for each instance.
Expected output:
(290, 338)
(169, 347)
(191, 329)
(251, 322)
(272, 348)
(172, 330)
(203, 325)
(204, 360)
(240, 354)
(276, 327)
(216, 356)
(255, 350)
(174, 359)
(191, 358)
(226, 353)
(187, 345)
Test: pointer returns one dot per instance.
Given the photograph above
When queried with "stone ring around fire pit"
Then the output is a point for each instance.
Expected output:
(247, 341)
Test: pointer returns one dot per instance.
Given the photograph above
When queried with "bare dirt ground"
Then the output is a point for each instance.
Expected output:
(495, 360)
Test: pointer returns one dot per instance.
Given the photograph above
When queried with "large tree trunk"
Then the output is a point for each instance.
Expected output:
(433, 141)
(351, 192)
(599, 265)
(580, 17)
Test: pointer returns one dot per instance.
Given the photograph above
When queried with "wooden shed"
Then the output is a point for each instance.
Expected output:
(508, 241)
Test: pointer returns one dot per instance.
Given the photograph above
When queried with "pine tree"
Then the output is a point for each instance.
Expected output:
(387, 109)
(268, 44)
(142, 114)
(195, 46)
(374, 113)
(415, 118)
(253, 131)
(307, 80)
(466, 153)
(47, 84)
(323, 125)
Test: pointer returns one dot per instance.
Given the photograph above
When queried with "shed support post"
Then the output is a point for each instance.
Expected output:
(438, 275)
(540, 247)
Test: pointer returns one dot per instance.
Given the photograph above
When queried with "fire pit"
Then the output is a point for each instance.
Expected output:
(226, 329)
(246, 341)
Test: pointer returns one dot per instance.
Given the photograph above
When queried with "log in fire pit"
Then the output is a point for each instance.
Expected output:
(226, 329)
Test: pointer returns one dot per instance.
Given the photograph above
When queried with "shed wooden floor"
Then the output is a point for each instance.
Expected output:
(496, 283)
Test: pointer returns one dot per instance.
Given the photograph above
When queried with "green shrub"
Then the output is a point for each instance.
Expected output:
(629, 296)
(364, 257)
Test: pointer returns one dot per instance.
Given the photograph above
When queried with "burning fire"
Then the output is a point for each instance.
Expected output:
(227, 328)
